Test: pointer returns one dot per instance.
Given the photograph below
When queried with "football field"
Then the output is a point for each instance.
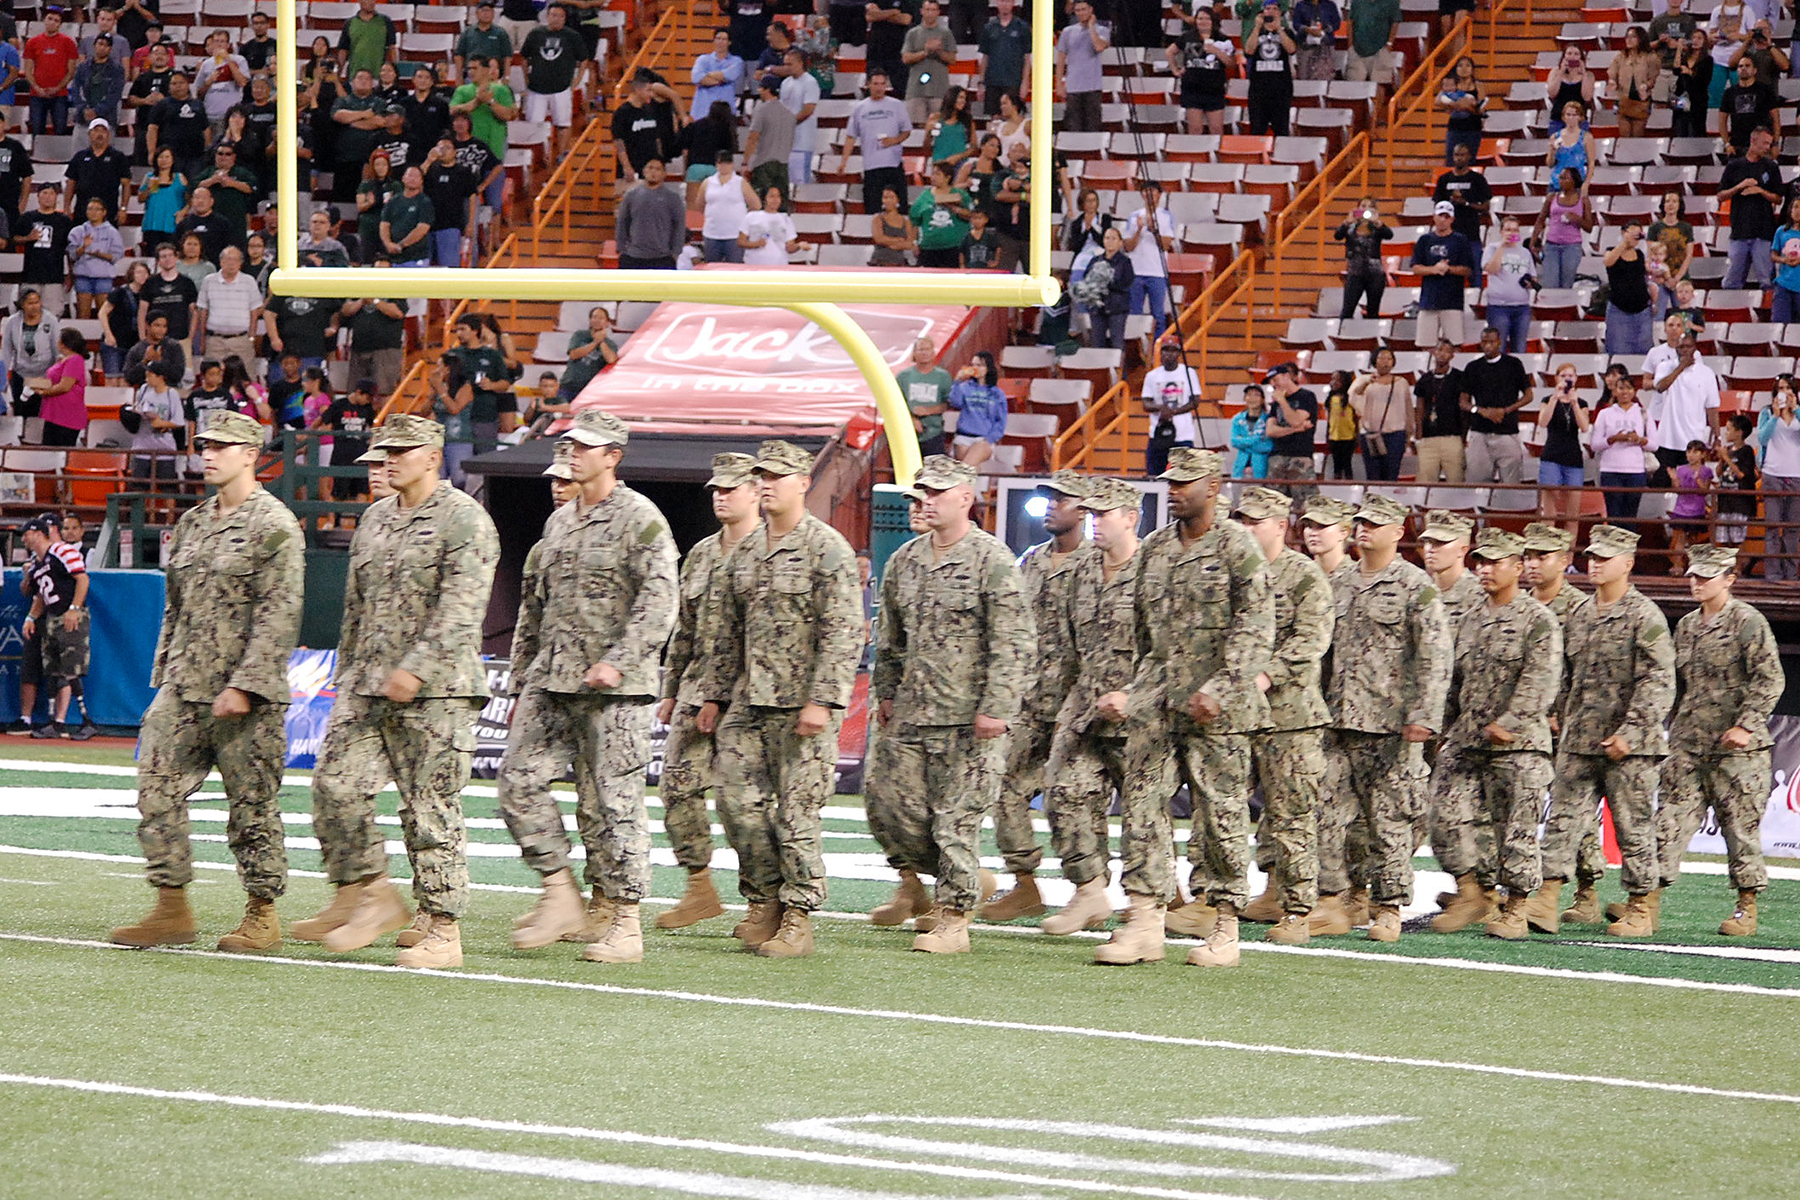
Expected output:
(1443, 1066)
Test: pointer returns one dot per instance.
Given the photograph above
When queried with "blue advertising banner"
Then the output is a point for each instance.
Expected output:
(126, 610)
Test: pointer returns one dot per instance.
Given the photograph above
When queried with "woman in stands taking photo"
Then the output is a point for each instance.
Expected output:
(1692, 98)
(981, 405)
(1568, 80)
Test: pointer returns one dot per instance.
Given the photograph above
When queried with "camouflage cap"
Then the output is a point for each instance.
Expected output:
(560, 466)
(1498, 543)
(592, 427)
(913, 494)
(1327, 510)
(1545, 537)
(403, 431)
(1442, 526)
(231, 429)
(1381, 510)
(782, 458)
(1069, 483)
(1709, 560)
(941, 472)
(733, 470)
(1105, 495)
(372, 456)
(1264, 504)
(1610, 541)
(1187, 464)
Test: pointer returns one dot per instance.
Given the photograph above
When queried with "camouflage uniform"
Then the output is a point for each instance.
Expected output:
(1437, 758)
(1390, 668)
(599, 588)
(1621, 681)
(1508, 670)
(1590, 858)
(952, 643)
(231, 619)
(414, 601)
(1730, 672)
(1206, 624)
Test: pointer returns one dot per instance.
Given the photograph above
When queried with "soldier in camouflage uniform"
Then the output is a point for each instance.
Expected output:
(1390, 668)
(376, 462)
(687, 766)
(783, 666)
(1289, 756)
(1098, 637)
(1620, 687)
(409, 683)
(563, 487)
(953, 644)
(1206, 626)
(1048, 572)
(236, 571)
(1730, 673)
(1509, 661)
(596, 606)
(1444, 547)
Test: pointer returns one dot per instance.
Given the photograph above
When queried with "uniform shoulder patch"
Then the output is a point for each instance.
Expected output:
(651, 531)
(276, 539)
(1428, 593)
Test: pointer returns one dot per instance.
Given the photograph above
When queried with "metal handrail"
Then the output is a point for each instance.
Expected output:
(1353, 161)
(1420, 81)
(585, 154)
(1075, 445)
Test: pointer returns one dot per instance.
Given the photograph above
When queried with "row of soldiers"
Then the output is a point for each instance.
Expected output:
(1211, 655)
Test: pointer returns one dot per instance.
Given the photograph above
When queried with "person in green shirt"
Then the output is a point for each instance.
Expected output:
(406, 222)
(372, 196)
(1371, 58)
(489, 104)
(483, 39)
(1249, 10)
(366, 42)
(377, 338)
(942, 214)
(591, 350)
(233, 191)
(478, 381)
(926, 387)
(362, 119)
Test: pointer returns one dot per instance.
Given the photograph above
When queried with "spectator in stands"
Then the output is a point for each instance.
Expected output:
(1248, 435)
(164, 193)
(43, 236)
(1629, 317)
(1005, 60)
(204, 224)
(1012, 126)
(879, 124)
(1371, 56)
(1694, 480)
(981, 407)
(1747, 104)
(982, 249)
(1444, 260)
(1498, 387)
(703, 141)
(1341, 424)
(777, 42)
(98, 87)
(1510, 271)
(1385, 402)
(179, 122)
(651, 223)
(726, 198)
(1692, 98)
(1149, 236)
(1727, 29)
(1561, 230)
(553, 54)
(406, 222)
(63, 391)
(394, 141)
(318, 248)
(848, 22)
(1735, 506)
(231, 188)
(591, 351)
(800, 94)
(258, 50)
(926, 388)
(1618, 437)
(1669, 34)
(749, 26)
(893, 233)
(149, 84)
(361, 118)
(928, 51)
(1468, 191)
(1464, 102)
(1292, 419)
(1771, 61)
(350, 419)
(1079, 69)
(1315, 25)
(1084, 227)
(769, 144)
(451, 187)
(1442, 419)
(1562, 422)
(1267, 62)
(98, 172)
(1569, 81)
(245, 394)
(50, 60)
(715, 75)
(1200, 60)
(15, 176)
(1105, 291)
(1632, 78)
(28, 340)
(483, 39)
(1571, 146)
(228, 309)
(118, 318)
(152, 419)
(950, 131)
(379, 185)
(12, 73)
(95, 249)
(1690, 408)
(425, 114)
(259, 264)
(1754, 186)
(302, 327)
(1170, 394)
(377, 338)
(1672, 230)
(1687, 305)
(221, 77)
(766, 236)
(155, 347)
(942, 215)
(489, 105)
(888, 21)
(368, 40)
(1786, 305)
(489, 173)
(1778, 434)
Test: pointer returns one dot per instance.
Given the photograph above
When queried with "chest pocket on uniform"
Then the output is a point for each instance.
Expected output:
(1212, 595)
(419, 555)
(959, 609)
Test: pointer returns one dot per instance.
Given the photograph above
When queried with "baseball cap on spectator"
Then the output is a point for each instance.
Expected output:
(36, 525)
(100, 123)
(770, 83)
(1443, 208)
(1286, 368)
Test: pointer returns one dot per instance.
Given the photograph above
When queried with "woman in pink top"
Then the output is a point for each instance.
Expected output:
(1618, 436)
(1562, 228)
(64, 391)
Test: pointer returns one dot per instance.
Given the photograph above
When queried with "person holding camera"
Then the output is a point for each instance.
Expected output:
(1365, 279)
(1692, 84)
(1562, 423)
(1771, 61)
(1267, 61)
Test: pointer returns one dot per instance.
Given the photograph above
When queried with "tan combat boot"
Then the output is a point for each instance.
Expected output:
(1585, 908)
(1513, 925)
(698, 903)
(599, 917)
(1266, 909)
(793, 940)
(1543, 910)
(1639, 919)
(1086, 909)
(623, 941)
(1196, 918)
(259, 930)
(1221, 948)
(1655, 898)
(759, 924)
(441, 948)
(379, 909)
(1140, 939)
(1492, 896)
(1022, 900)
(949, 934)
(415, 933)
(170, 923)
(1384, 923)
(1329, 917)
(909, 900)
(1294, 929)
(1617, 909)
(1742, 922)
(558, 911)
(1471, 905)
(343, 903)
(1357, 907)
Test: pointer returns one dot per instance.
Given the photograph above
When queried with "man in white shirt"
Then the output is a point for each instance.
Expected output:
(1690, 407)
(1171, 392)
(800, 95)
(227, 311)
(1149, 266)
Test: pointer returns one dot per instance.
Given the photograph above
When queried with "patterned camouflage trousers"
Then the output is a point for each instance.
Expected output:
(1161, 754)
(1085, 770)
(1028, 748)
(1507, 790)
(1736, 788)
(773, 784)
(1375, 787)
(1343, 840)
(607, 738)
(687, 771)
(1629, 787)
(424, 747)
(1290, 764)
(938, 781)
(179, 742)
